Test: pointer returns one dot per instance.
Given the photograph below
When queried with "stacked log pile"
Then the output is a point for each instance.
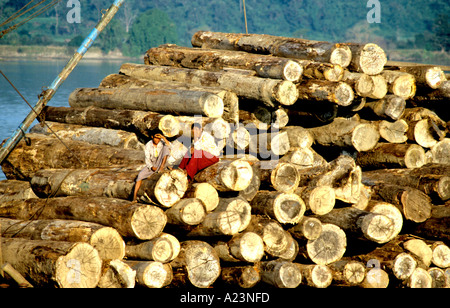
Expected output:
(335, 171)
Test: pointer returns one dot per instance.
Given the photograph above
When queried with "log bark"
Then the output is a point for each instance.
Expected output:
(426, 75)
(347, 133)
(171, 101)
(281, 274)
(400, 83)
(140, 122)
(269, 91)
(151, 274)
(117, 275)
(278, 46)
(320, 70)
(243, 247)
(52, 263)
(390, 107)
(316, 276)
(49, 153)
(391, 155)
(106, 240)
(204, 192)
(130, 220)
(214, 60)
(365, 85)
(333, 239)
(197, 261)
(242, 276)
(11, 190)
(230, 99)
(285, 208)
(227, 175)
(367, 58)
(164, 248)
(338, 93)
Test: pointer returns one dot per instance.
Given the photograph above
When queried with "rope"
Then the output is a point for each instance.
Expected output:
(245, 17)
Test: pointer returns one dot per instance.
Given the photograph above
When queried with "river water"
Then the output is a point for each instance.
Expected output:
(30, 77)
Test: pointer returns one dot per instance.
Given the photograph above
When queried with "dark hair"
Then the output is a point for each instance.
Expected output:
(196, 124)
(155, 132)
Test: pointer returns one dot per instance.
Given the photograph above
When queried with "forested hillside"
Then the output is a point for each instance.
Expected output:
(141, 24)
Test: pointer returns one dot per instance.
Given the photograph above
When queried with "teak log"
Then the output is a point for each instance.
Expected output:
(218, 223)
(439, 277)
(440, 152)
(54, 263)
(49, 153)
(365, 85)
(269, 91)
(141, 221)
(425, 75)
(308, 228)
(400, 83)
(243, 247)
(214, 59)
(339, 93)
(242, 276)
(129, 120)
(281, 273)
(117, 275)
(197, 263)
(163, 248)
(299, 137)
(393, 132)
(106, 240)
(275, 45)
(320, 200)
(335, 241)
(320, 70)
(230, 99)
(367, 58)
(437, 227)
(281, 176)
(239, 206)
(11, 190)
(266, 145)
(186, 212)
(171, 101)
(391, 107)
(316, 276)
(151, 274)
(303, 158)
(348, 272)
(206, 193)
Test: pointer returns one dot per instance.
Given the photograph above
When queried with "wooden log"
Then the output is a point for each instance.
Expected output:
(436, 227)
(172, 101)
(130, 220)
(299, 137)
(281, 176)
(414, 204)
(420, 250)
(393, 132)
(213, 60)
(187, 211)
(164, 188)
(269, 144)
(367, 58)
(281, 274)
(129, 120)
(15, 275)
(439, 280)
(310, 114)
(275, 45)
(390, 107)
(285, 208)
(239, 206)
(117, 274)
(106, 240)
(230, 99)
(49, 153)
(16, 190)
(339, 93)
(441, 254)
(269, 91)
(199, 262)
(348, 272)
(335, 241)
(371, 226)
(308, 228)
(204, 192)
(400, 83)
(403, 266)
(320, 200)
(151, 274)
(434, 185)
(262, 117)
(316, 276)
(391, 155)
(344, 132)
(218, 223)
(163, 248)
(216, 127)
(52, 263)
(440, 152)
(303, 158)
(376, 278)
(242, 276)
(92, 135)
(227, 175)
(426, 127)
(365, 85)
(242, 247)
(321, 70)
(426, 75)
(420, 279)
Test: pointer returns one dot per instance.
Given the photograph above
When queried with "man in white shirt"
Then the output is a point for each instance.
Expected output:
(202, 153)
(156, 154)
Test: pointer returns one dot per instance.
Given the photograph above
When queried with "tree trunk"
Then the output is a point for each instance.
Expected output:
(239, 206)
(281, 274)
(426, 75)
(275, 45)
(299, 137)
(266, 145)
(11, 190)
(227, 175)
(140, 122)
(320, 200)
(215, 60)
(308, 228)
(186, 212)
(400, 83)
(335, 241)
(344, 132)
(339, 93)
(390, 107)
(283, 177)
(117, 275)
(199, 262)
(230, 99)
(206, 193)
(49, 153)
(320, 70)
(141, 221)
(50, 263)
(348, 272)
(106, 240)
(269, 91)
(367, 58)
(316, 276)
(391, 155)
(365, 85)
(242, 276)
(164, 248)
(285, 208)
(151, 274)
(243, 247)
(91, 135)
(169, 101)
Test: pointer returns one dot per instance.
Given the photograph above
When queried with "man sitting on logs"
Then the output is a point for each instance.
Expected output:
(156, 154)
(202, 153)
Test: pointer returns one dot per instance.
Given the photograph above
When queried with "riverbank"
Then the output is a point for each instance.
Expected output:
(55, 52)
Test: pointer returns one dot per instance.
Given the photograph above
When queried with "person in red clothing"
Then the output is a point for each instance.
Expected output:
(202, 153)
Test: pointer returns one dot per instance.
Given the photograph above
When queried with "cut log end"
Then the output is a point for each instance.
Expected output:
(404, 266)
(329, 247)
(322, 200)
(213, 105)
(285, 177)
(237, 176)
(148, 222)
(434, 77)
(420, 279)
(171, 187)
(169, 126)
(286, 93)
(292, 71)
(344, 94)
(341, 55)
(109, 244)
(378, 228)
(372, 59)
(365, 137)
(354, 272)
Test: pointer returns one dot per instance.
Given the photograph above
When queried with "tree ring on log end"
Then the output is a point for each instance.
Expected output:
(213, 105)
(365, 137)
(292, 71)
(341, 55)
(372, 59)
(415, 156)
(289, 208)
(148, 222)
(344, 94)
(169, 126)
(237, 176)
(171, 187)
(329, 247)
(286, 93)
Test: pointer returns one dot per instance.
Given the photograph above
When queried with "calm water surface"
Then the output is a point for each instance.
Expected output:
(30, 77)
